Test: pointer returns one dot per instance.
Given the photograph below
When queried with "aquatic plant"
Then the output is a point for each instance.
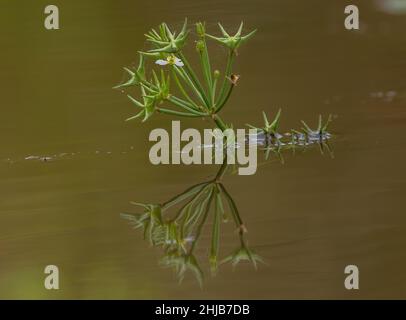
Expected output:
(191, 97)
(177, 224)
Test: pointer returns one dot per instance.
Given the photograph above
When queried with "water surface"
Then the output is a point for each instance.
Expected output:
(308, 218)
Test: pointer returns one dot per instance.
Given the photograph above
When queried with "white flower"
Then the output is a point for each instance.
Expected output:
(171, 60)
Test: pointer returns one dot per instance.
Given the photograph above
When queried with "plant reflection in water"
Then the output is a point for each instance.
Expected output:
(176, 225)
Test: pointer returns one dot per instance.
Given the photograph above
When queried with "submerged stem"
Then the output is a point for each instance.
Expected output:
(232, 205)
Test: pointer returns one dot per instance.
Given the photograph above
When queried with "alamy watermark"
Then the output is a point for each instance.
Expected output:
(51, 281)
(215, 147)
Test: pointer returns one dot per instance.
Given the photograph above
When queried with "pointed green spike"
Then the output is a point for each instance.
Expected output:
(139, 204)
(141, 67)
(238, 34)
(159, 42)
(168, 32)
(150, 90)
(150, 37)
(321, 148)
(320, 124)
(148, 114)
(184, 28)
(252, 127)
(126, 84)
(248, 36)
(136, 102)
(275, 123)
(297, 132)
(224, 32)
(329, 120)
(119, 86)
(221, 40)
(306, 127)
(156, 80)
(129, 71)
(149, 54)
(151, 97)
(167, 49)
(265, 119)
(162, 32)
(136, 116)
(153, 31)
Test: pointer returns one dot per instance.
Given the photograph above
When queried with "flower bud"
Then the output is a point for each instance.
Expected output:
(216, 74)
(200, 45)
(200, 29)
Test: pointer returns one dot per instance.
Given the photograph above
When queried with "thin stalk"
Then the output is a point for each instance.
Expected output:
(182, 104)
(222, 170)
(191, 202)
(230, 60)
(222, 103)
(216, 118)
(194, 78)
(172, 98)
(182, 196)
(215, 238)
(183, 91)
(232, 206)
(189, 220)
(219, 122)
(213, 96)
(205, 61)
(200, 227)
(189, 81)
(177, 113)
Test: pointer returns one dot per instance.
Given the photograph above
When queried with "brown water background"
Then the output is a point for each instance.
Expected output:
(308, 218)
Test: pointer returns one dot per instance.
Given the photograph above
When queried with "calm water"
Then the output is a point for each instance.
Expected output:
(308, 218)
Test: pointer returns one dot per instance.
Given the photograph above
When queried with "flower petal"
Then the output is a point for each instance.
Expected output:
(161, 62)
(179, 62)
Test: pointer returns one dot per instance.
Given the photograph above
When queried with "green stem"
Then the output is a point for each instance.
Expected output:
(200, 227)
(189, 81)
(232, 205)
(222, 170)
(230, 60)
(182, 104)
(215, 238)
(222, 103)
(213, 96)
(175, 100)
(194, 78)
(182, 89)
(219, 122)
(177, 113)
(205, 61)
(180, 197)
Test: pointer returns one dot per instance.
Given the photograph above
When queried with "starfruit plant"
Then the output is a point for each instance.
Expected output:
(192, 97)
(174, 87)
